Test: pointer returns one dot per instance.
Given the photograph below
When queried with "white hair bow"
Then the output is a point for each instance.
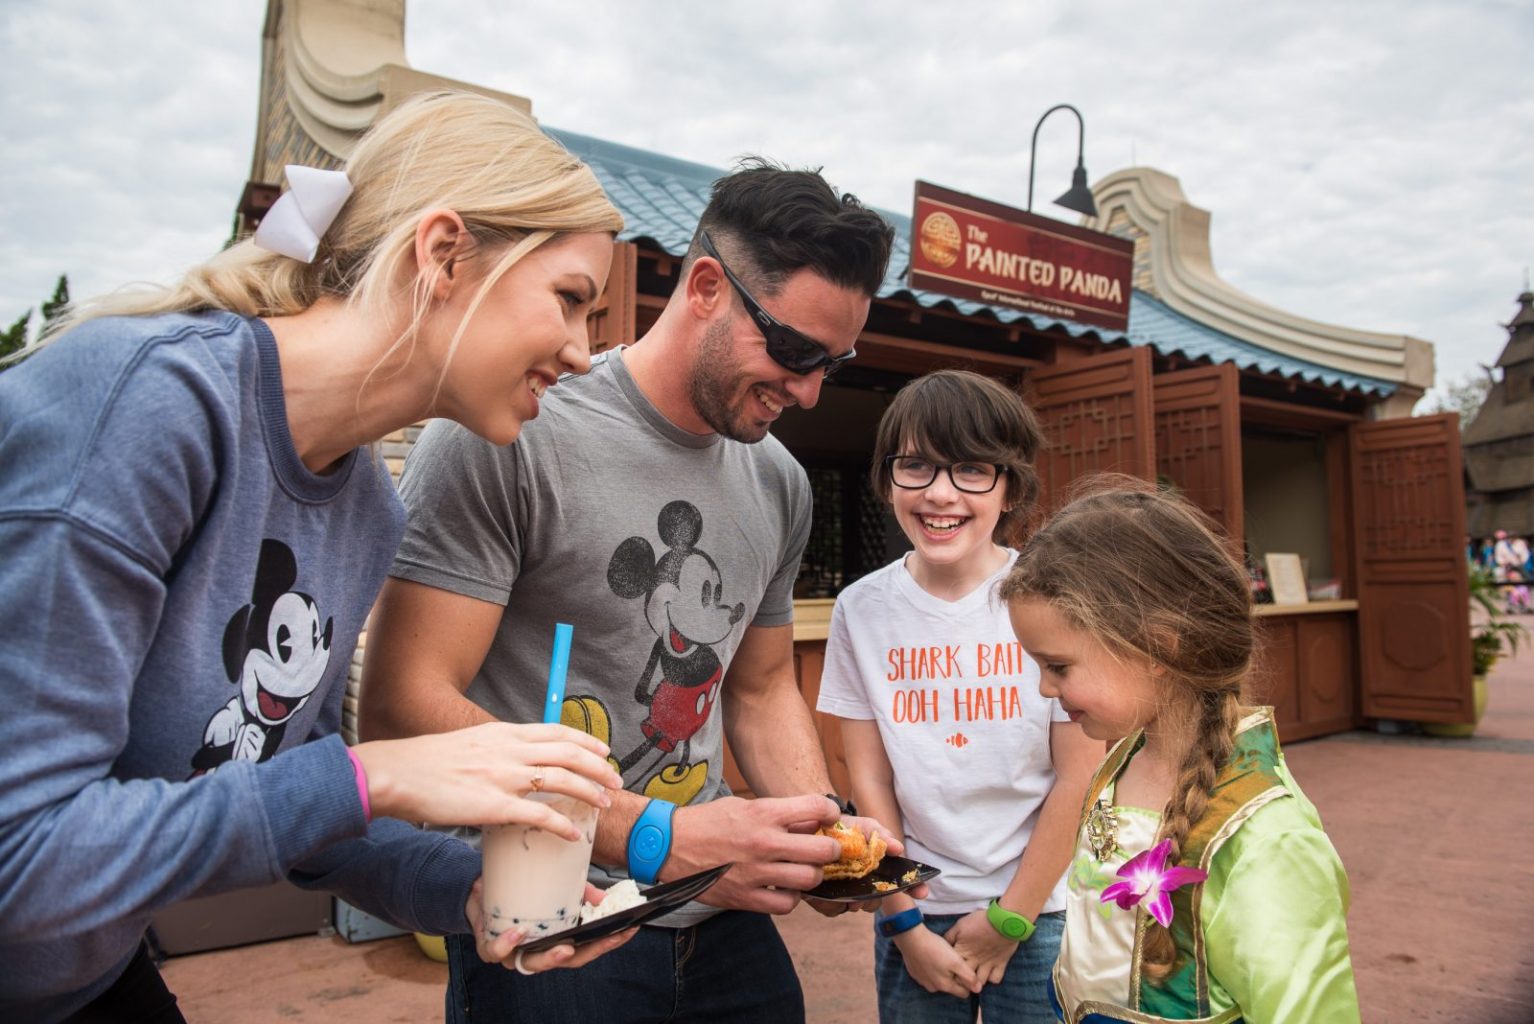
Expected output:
(301, 215)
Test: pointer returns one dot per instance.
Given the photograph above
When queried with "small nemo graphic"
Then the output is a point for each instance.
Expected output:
(940, 239)
(958, 739)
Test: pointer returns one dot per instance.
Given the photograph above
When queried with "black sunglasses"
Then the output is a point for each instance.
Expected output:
(787, 347)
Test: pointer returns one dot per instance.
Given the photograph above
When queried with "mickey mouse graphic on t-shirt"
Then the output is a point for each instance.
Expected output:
(683, 592)
(276, 649)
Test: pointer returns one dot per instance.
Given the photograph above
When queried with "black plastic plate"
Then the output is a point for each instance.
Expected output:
(659, 899)
(890, 869)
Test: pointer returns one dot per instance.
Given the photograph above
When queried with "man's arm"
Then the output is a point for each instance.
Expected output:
(424, 647)
(770, 728)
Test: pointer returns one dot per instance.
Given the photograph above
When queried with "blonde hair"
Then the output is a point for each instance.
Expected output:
(1145, 574)
(513, 186)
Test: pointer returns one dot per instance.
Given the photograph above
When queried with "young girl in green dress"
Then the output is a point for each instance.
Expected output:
(1202, 887)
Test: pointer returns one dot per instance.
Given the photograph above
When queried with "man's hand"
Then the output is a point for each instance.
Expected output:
(934, 964)
(867, 826)
(768, 839)
(985, 949)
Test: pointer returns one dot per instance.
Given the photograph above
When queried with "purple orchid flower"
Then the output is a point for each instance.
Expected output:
(1148, 880)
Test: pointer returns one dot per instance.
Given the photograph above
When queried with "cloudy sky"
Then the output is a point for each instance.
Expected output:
(1369, 164)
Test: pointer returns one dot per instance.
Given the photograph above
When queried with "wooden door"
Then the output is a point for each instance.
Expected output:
(1198, 440)
(1413, 595)
(612, 321)
(1096, 414)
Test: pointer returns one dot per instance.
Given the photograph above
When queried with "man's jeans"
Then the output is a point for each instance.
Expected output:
(1022, 997)
(732, 967)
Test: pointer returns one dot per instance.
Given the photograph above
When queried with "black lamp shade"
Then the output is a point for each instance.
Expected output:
(1079, 197)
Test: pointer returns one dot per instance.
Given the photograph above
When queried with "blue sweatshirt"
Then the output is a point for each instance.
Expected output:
(179, 601)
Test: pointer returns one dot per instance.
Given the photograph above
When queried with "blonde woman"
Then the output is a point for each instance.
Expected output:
(193, 529)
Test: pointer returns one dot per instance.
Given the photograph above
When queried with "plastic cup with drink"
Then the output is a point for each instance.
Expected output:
(534, 880)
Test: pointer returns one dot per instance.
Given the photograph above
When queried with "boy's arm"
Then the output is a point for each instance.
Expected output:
(1044, 860)
(1048, 854)
(930, 961)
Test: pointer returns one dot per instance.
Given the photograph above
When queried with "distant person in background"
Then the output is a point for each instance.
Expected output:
(1518, 575)
(1510, 556)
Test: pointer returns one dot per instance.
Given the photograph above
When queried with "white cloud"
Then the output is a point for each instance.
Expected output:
(1366, 164)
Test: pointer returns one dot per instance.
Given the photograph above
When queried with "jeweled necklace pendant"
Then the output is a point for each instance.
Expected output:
(1102, 830)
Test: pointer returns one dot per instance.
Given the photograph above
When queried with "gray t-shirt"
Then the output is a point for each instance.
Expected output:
(658, 545)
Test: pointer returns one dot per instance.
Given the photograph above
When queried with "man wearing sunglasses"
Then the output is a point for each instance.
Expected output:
(648, 506)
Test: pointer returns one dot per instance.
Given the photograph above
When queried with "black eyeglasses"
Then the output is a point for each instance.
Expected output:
(787, 347)
(913, 473)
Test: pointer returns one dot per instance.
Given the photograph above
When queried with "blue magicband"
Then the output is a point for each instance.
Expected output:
(899, 924)
(650, 841)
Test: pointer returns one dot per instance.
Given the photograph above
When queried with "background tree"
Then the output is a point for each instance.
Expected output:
(56, 306)
(15, 337)
(1463, 396)
(19, 335)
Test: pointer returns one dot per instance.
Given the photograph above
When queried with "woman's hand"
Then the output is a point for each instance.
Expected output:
(482, 775)
(985, 949)
(934, 964)
(503, 948)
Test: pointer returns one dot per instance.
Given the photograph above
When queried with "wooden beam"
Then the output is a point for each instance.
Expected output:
(908, 355)
(1292, 414)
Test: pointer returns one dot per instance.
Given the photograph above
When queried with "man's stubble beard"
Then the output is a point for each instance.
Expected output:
(712, 383)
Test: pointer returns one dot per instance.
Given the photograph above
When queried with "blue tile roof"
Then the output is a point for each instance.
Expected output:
(661, 199)
(1152, 322)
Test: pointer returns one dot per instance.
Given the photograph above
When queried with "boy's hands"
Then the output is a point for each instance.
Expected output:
(983, 948)
(935, 965)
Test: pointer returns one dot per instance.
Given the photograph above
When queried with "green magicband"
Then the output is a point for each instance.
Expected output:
(650, 841)
(1009, 924)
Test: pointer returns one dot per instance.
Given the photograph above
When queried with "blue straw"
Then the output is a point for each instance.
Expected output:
(558, 666)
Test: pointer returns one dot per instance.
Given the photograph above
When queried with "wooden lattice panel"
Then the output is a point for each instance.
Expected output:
(1198, 441)
(1096, 415)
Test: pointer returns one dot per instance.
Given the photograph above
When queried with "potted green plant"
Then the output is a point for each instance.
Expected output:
(1492, 634)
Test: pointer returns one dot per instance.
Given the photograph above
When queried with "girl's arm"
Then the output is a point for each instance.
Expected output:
(1277, 934)
(1044, 860)
(929, 960)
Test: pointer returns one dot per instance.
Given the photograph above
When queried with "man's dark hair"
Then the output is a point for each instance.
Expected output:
(769, 221)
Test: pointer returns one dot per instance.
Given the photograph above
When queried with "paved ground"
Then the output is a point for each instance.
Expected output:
(1437, 836)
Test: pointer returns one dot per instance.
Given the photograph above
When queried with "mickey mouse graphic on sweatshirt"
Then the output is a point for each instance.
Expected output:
(276, 649)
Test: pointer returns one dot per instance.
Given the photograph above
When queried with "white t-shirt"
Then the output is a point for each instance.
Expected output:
(959, 711)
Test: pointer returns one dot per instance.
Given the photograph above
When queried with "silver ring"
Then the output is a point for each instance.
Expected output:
(517, 963)
(537, 778)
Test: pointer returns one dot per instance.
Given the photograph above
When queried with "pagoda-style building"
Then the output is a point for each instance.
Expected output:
(1499, 442)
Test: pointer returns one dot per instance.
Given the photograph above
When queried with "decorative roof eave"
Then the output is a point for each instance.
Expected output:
(333, 67)
(1181, 274)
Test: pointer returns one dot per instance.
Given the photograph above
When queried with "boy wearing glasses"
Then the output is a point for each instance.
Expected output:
(648, 507)
(946, 734)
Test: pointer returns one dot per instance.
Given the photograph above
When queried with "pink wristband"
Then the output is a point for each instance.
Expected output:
(362, 782)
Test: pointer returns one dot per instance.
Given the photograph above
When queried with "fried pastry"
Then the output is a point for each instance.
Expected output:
(860, 853)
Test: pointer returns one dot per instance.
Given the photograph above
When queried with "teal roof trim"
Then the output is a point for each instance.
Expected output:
(662, 198)
(1153, 323)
